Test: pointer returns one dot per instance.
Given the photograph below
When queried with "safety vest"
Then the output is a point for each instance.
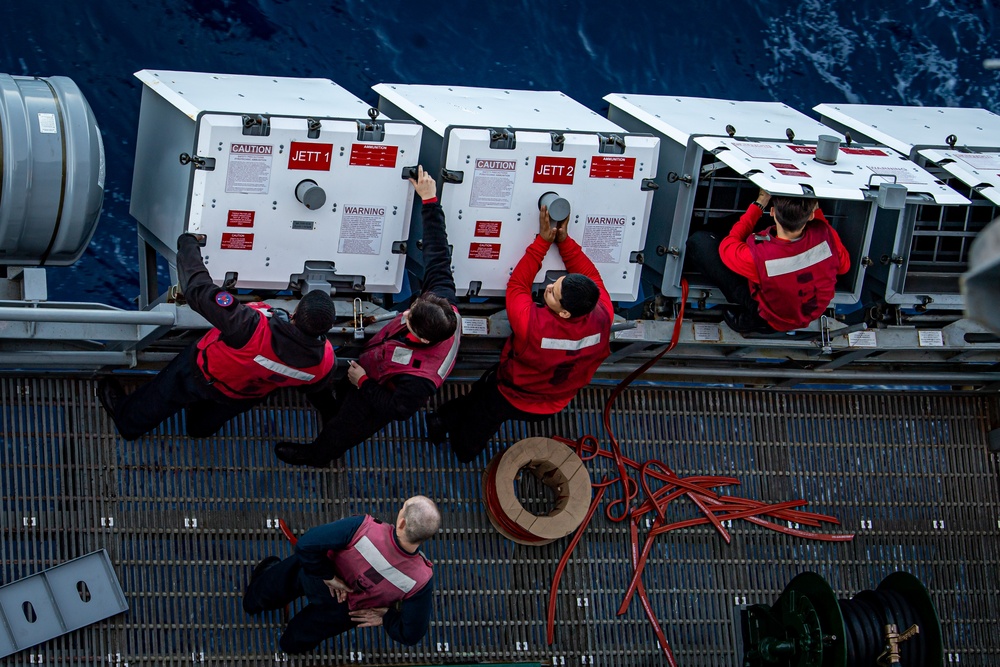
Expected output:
(385, 355)
(377, 569)
(797, 278)
(560, 356)
(254, 370)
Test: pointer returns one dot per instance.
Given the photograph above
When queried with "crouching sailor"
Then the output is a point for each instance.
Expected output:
(251, 351)
(355, 572)
(403, 365)
(553, 351)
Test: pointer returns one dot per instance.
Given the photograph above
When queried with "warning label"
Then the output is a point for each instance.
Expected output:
(249, 170)
(612, 166)
(863, 151)
(373, 155)
(554, 170)
(902, 175)
(484, 251)
(603, 237)
(493, 184)
(240, 219)
(361, 230)
(236, 241)
(309, 155)
(754, 149)
(797, 173)
(784, 165)
(987, 161)
(803, 150)
(488, 228)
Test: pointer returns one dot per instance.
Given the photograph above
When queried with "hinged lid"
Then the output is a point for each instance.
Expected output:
(977, 170)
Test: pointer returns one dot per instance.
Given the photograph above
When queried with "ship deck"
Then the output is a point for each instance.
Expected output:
(185, 520)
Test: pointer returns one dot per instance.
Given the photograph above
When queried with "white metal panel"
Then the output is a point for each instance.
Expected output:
(977, 170)
(680, 118)
(257, 227)
(492, 215)
(782, 168)
(197, 92)
(905, 128)
(437, 107)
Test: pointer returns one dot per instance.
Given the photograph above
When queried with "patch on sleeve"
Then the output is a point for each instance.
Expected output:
(224, 299)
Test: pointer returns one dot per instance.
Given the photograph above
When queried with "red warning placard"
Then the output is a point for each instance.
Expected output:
(550, 169)
(309, 155)
(240, 219)
(487, 228)
(612, 166)
(863, 151)
(797, 173)
(373, 155)
(484, 251)
(236, 241)
(804, 150)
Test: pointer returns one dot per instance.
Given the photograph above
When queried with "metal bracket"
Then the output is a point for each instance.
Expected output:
(205, 163)
(504, 139)
(452, 176)
(359, 319)
(371, 131)
(611, 144)
(256, 126)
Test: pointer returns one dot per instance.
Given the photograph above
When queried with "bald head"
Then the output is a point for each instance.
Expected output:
(422, 517)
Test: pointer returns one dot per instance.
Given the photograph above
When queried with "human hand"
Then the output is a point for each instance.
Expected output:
(338, 588)
(424, 184)
(368, 618)
(545, 228)
(763, 198)
(355, 372)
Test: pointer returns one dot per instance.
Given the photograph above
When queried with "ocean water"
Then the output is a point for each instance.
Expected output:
(924, 52)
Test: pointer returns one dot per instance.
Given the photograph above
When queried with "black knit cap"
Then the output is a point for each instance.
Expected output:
(315, 313)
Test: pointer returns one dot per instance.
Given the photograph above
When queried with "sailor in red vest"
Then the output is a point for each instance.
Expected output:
(356, 572)
(553, 351)
(251, 351)
(781, 278)
(403, 365)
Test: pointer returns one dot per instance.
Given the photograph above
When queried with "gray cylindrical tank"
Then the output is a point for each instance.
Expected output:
(52, 169)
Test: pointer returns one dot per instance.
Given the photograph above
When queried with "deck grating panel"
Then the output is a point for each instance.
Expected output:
(184, 521)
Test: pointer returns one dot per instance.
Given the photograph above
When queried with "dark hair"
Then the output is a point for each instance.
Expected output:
(315, 313)
(579, 294)
(431, 317)
(793, 212)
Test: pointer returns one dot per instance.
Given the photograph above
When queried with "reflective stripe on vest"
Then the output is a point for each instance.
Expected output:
(375, 558)
(385, 355)
(568, 344)
(784, 265)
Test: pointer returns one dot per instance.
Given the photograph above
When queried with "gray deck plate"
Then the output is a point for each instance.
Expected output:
(184, 521)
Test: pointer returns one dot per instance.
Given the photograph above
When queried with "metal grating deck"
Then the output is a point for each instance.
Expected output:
(184, 521)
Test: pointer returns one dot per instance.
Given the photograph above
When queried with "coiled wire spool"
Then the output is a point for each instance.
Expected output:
(52, 168)
(555, 465)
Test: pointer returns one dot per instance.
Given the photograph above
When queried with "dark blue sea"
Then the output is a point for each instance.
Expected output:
(925, 52)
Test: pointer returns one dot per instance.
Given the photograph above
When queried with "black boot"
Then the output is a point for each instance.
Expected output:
(300, 455)
(437, 433)
(110, 394)
(252, 607)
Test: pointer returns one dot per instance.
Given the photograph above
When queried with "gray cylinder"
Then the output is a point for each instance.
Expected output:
(827, 149)
(558, 207)
(310, 194)
(53, 171)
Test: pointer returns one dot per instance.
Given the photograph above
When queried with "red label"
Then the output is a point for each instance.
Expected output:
(863, 151)
(240, 219)
(804, 150)
(554, 170)
(793, 172)
(783, 165)
(484, 251)
(373, 155)
(236, 241)
(307, 155)
(251, 149)
(488, 228)
(612, 166)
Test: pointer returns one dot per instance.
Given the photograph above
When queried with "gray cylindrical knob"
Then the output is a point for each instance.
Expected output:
(310, 194)
(558, 207)
(826, 149)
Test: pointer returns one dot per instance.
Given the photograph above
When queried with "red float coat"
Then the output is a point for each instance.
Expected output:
(786, 312)
(254, 370)
(378, 570)
(387, 354)
(548, 358)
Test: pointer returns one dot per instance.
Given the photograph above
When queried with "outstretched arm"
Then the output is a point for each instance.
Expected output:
(438, 278)
(519, 302)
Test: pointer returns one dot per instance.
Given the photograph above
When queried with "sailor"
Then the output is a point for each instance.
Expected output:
(402, 366)
(780, 279)
(554, 349)
(355, 572)
(250, 351)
